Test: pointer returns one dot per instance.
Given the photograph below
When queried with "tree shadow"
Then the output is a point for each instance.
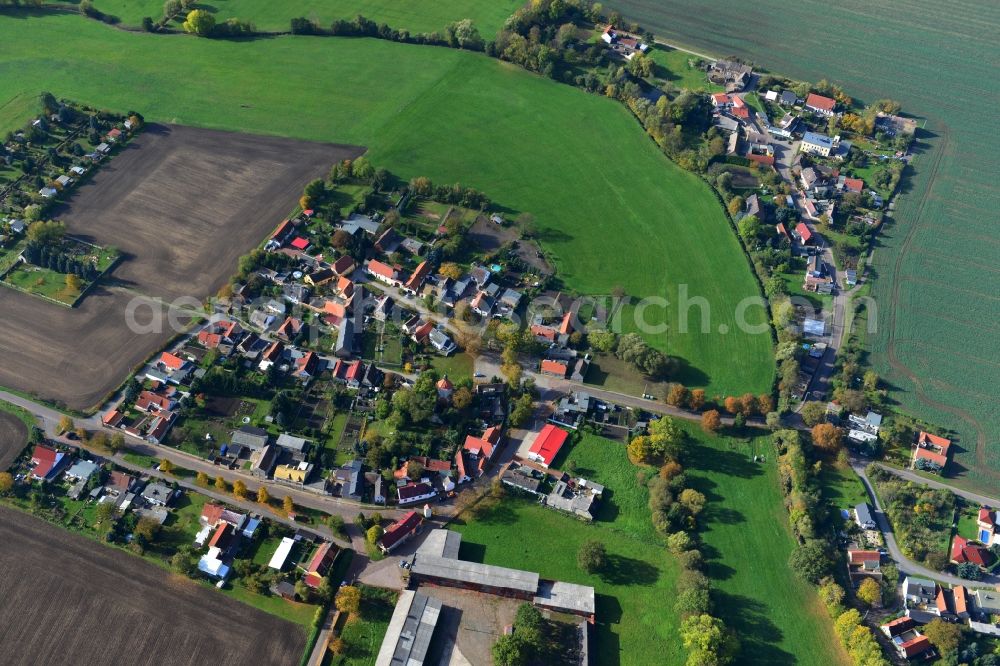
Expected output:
(472, 552)
(730, 462)
(620, 570)
(758, 634)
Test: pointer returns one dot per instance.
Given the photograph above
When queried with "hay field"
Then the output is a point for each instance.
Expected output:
(937, 265)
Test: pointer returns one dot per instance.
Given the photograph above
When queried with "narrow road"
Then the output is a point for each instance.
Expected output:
(910, 475)
(905, 564)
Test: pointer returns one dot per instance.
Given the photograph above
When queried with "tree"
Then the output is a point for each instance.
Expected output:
(665, 437)
(810, 561)
(263, 497)
(199, 22)
(147, 528)
(288, 504)
(220, 484)
(638, 449)
(832, 595)
(46, 233)
(105, 512)
(373, 534)
(508, 650)
(166, 466)
(183, 561)
(239, 489)
(348, 599)
(813, 413)
(827, 437)
(696, 400)
(592, 556)
(871, 380)
(708, 641)
(735, 205)
(66, 424)
(692, 500)
(602, 341)
(450, 270)
(6, 483)
(117, 442)
(677, 395)
(869, 591)
(678, 542)
(201, 479)
(73, 282)
(711, 421)
(336, 523)
(732, 405)
(945, 636)
(969, 570)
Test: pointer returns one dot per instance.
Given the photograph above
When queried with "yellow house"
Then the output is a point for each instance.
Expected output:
(293, 473)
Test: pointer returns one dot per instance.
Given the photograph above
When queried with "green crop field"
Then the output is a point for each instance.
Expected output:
(612, 210)
(413, 15)
(937, 264)
(747, 540)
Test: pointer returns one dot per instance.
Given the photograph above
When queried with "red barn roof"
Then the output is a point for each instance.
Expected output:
(927, 438)
(803, 231)
(548, 443)
(819, 102)
(299, 243)
(554, 367)
(399, 530)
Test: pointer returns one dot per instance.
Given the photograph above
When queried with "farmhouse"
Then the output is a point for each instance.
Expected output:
(733, 75)
(554, 368)
(862, 564)
(382, 272)
(399, 532)
(931, 452)
(820, 104)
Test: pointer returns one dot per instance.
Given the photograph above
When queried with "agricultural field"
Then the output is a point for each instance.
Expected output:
(106, 596)
(936, 317)
(75, 357)
(13, 437)
(540, 156)
(417, 16)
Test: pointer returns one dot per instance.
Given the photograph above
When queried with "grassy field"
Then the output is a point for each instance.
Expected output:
(747, 540)
(612, 210)
(413, 15)
(364, 632)
(936, 318)
(43, 282)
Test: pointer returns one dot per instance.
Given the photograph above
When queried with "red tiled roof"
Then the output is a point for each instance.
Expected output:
(566, 326)
(274, 351)
(209, 340)
(854, 184)
(290, 327)
(399, 530)
(423, 330)
(44, 459)
(961, 602)
(492, 434)
(862, 556)
(219, 537)
(119, 481)
(741, 112)
(354, 371)
(819, 102)
(986, 516)
(211, 513)
(171, 361)
(780, 227)
(482, 447)
(933, 456)
(916, 646)
(299, 243)
(548, 443)
(803, 231)
(307, 363)
(720, 98)
(112, 418)
(384, 270)
(419, 275)
(927, 438)
(281, 231)
(546, 332)
(554, 367)
(460, 463)
(319, 563)
(738, 102)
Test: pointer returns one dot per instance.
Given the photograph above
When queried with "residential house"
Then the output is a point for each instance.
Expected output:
(411, 493)
(388, 242)
(802, 233)
(344, 266)
(47, 463)
(931, 452)
(820, 104)
(733, 75)
(481, 449)
(905, 638)
(920, 599)
(118, 483)
(253, 438)
(987, 601)
(81, 470)
(817, 144)
(863, 430)
(263, 461)
(357, 222)
(788, 98)
(416, 279)
(482, 304)
(862, 564)
(319, 564)
(307, 366)
(271, 355)
(441, 342)
(547, 444)
(158, 494)
(289, 328)
(399, 532)
(962, 552)
(344, 347)
(987, 526)
(864, 518)
(294, 445)
(297, 474)
(554, 368)
(382, 272)
(351, 480)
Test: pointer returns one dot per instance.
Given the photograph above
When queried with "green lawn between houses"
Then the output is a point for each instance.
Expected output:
(612, 210)
(417, 16)
(747, 541)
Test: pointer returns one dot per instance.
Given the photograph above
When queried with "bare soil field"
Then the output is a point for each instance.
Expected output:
(182, 204)
(69, 600)
(13, 437)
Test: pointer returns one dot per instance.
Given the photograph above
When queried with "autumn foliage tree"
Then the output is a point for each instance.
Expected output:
(677, 395)
(711, 421)
(348, 599)
(827, 437)
(732, 405)
(696, 400)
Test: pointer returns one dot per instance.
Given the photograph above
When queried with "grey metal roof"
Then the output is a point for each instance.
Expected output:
(566, 596)
(473, 573)
(864, 514)
(410, 630)
(441, 543)
(291, 442)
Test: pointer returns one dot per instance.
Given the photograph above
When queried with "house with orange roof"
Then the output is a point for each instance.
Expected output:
(820, 104)
(319, 564)
(307, 365)
(931, 452)
(289, 328)
(905, 638)
(171, 361)
(271, 355)
(554, 368)
(481, 449)
(863, 564)
(382, 272)
(416, 279)
(461, 467)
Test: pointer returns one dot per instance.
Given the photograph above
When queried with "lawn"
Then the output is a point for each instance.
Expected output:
(43, 282)
(363, 633)
(674, 67)
(841, 487)
(457, 366)
(413, 15)
(747, 541)
(623, 215)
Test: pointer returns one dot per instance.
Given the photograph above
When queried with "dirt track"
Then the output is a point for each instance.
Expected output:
(69, 600)
(183, 204)
(13, 437)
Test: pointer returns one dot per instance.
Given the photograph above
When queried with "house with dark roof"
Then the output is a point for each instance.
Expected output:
(864, 518)
(411, 493)
(251, 437)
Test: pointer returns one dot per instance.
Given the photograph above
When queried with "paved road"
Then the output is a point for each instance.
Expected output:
(910, 475)
(905, 564)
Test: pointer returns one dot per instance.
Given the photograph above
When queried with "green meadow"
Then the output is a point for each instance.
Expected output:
(936, 265)
(747, 544)
(612, 210)
(413, 15)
